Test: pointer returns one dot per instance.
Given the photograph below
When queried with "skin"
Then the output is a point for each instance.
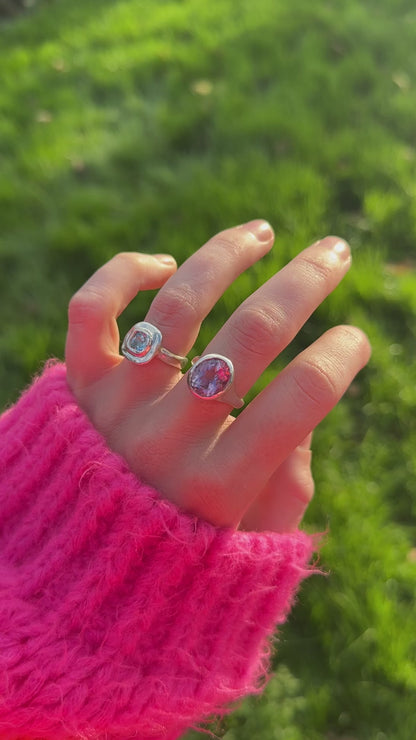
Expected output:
(253, 471)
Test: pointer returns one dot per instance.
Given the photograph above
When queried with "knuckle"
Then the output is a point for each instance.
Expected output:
(125, 257)
(352, 337)
(173, 308)
(234, 242)
(314, 384)
(129, 261)
(85, 307)
(256, 329)
(306, 489)
(206, 270)
(302, 484)
(303, 491)
(319, 266)
(228, 243)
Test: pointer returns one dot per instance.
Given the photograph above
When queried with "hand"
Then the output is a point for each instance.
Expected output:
(252, 471)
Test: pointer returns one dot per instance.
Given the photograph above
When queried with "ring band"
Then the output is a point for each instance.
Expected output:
(143, 342)
(211, 377)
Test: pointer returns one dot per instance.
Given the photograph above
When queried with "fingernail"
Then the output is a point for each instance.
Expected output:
(338, 246)
(261, 230)
(165, 259)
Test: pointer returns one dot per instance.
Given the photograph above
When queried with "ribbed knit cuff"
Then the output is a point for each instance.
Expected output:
(120, 615)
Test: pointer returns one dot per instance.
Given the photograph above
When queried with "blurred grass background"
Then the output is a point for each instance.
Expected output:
(128, 125)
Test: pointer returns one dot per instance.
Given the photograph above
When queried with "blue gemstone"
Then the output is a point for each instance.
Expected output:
(140, 342)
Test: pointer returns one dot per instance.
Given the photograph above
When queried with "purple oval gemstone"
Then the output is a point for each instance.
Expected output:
(209, 378)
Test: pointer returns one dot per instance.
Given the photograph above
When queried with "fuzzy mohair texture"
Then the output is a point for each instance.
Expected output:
(121, 616)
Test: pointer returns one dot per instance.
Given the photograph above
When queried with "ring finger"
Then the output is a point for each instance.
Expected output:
(272, 316)
(288, 409)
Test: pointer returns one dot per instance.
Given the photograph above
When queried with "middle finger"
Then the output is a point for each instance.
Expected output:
(185, 300)
(187, 297)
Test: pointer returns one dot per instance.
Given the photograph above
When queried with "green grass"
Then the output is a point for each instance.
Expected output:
(150, 126)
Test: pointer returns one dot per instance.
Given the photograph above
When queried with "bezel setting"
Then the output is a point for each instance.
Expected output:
(142, 342)
(210, 378)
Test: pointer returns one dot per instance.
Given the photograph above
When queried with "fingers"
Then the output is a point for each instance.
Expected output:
(285, 412)
(281, 505)
(92, 345)
(267, 321)
(272, 316)
(180, 307)
(257, 451)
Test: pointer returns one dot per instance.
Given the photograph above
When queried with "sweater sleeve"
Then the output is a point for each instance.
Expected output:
(120, 615)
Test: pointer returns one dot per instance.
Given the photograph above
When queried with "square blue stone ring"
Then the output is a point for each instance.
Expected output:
(143, 342)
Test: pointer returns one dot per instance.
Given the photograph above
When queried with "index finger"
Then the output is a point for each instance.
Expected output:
(92, 345)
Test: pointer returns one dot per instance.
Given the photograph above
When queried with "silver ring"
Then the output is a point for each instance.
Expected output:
(211, 377)
(143, 342)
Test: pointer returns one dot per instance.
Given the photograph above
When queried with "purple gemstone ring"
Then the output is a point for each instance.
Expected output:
(211, 378)
(143, 342)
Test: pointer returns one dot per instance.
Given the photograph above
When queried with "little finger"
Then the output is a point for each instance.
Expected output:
(281, 505)
(281, 416)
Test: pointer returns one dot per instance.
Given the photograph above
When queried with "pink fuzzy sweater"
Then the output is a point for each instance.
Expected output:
(120, 615)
